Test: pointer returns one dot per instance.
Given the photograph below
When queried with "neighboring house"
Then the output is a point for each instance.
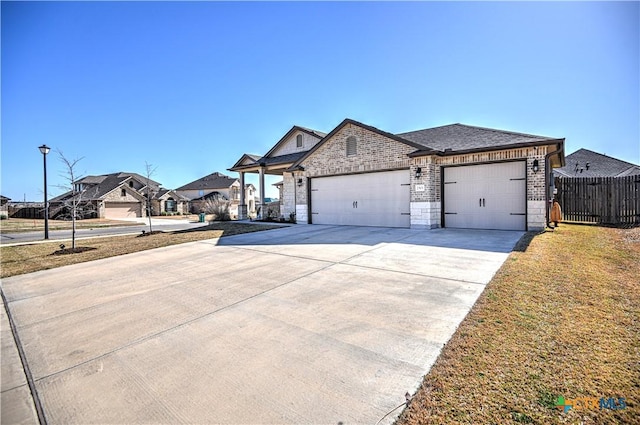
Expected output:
(170, 202)
(119, 195)
(291, 147)
(586, 163)
(4, 208)
(217, 186)
(456, 176)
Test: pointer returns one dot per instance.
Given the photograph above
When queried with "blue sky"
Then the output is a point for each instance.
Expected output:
(190, 87)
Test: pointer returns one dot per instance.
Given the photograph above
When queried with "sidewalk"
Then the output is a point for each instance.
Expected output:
(17, 404)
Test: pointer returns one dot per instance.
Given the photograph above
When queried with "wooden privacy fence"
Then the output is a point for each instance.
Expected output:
(603, 200)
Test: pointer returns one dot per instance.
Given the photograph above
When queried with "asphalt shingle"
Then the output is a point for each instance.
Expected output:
(461, 137)
(600, 165)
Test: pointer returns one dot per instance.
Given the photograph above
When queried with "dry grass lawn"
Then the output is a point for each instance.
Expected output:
(22, 259)
(20, 225)
(561, 318)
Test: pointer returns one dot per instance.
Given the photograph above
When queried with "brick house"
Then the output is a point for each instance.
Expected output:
(218, 186)
(451, 176)
(119, 195)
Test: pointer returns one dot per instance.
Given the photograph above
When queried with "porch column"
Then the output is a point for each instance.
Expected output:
(262, 204)
(242, 208)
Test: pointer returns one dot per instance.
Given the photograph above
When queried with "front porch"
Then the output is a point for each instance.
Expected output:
(297, 142)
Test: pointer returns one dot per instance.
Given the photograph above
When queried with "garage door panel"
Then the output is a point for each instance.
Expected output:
(371, 199)
(486, 196)
(116, 210)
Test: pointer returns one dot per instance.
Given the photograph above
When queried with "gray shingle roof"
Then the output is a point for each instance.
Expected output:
(212, 181)
(461, 137)
(164, 191)
(100, 186)
(121, 175)
(282, 159)
(600, 165)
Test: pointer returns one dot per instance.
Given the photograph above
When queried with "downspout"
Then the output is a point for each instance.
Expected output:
(547, 184)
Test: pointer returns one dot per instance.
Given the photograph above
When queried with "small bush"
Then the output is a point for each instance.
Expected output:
(219, 208)
(163, 213)
(3, 217)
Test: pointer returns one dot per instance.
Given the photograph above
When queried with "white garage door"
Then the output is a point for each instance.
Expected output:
(371, 199)
(486, 196)
(121, 210)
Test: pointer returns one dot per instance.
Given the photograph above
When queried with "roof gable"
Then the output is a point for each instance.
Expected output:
(288, 143)
(168, 193)
(349, 121)
(246, 159)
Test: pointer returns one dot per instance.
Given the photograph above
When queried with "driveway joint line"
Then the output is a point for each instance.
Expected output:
(180, 325)
(95, 306)
(346, 262)
(414, 274)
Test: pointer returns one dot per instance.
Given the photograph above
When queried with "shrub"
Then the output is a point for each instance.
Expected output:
(3, 217)
(164, 213)
(219, 208)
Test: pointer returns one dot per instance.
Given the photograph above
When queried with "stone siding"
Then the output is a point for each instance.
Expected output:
(288, 194)
(425, 215)
(302, 213)
(536, 215)
(116, 196)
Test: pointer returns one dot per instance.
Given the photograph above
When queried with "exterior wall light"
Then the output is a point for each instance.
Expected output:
(418, 172)
(536, 166)
(299, 182)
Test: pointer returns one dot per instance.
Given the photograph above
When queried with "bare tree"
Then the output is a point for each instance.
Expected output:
(74, 202)
(149, 171)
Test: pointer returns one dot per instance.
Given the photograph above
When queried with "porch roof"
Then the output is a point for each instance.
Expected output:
(272, 165)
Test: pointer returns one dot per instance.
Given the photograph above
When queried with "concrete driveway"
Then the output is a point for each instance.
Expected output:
(306, 324)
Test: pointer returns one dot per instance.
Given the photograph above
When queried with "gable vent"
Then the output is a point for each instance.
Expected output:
(351, 146)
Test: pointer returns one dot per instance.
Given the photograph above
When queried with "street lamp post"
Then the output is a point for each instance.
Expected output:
(45, 150)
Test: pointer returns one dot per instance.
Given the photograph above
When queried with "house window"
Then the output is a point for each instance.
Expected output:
(299, 141)
(123, 192)
(351, 146)
(131, 183)
(170, 205)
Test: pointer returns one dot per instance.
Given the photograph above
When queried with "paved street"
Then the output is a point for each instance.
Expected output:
(305, 324)
(54, 235)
